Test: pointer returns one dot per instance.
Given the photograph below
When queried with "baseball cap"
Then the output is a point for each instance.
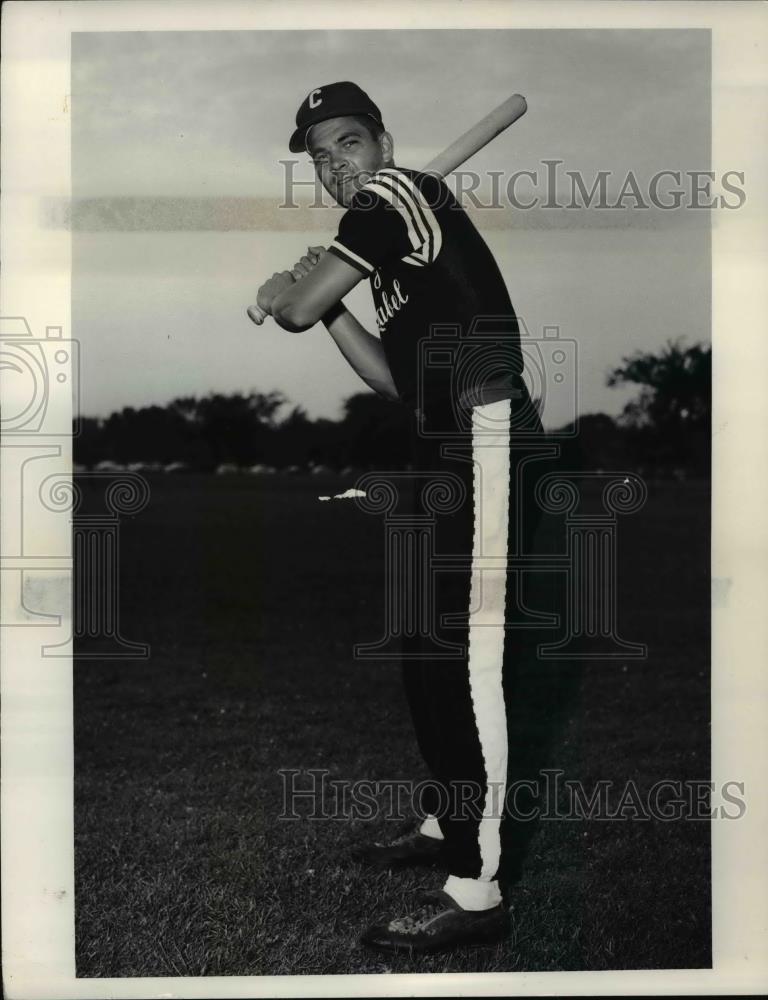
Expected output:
(334, 100)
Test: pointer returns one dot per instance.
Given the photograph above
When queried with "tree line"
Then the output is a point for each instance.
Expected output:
(665, 429)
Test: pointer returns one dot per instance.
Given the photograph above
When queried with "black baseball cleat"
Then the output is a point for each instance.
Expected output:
(438, 923)
(410, 850)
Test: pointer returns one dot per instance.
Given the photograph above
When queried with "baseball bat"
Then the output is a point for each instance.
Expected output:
(451, 158)
(473, 140)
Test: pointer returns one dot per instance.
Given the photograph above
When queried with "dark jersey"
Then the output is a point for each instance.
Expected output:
(446, 322)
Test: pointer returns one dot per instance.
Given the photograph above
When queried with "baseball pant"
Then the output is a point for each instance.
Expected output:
(473, 481)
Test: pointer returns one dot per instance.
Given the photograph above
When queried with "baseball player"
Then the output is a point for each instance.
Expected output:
(430, 271)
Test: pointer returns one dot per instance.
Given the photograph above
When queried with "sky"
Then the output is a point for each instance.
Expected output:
(176, 143)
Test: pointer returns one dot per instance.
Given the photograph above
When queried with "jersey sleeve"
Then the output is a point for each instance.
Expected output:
(370, 233)
(389, 219)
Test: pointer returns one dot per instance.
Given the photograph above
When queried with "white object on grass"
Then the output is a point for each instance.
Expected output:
(346, 495)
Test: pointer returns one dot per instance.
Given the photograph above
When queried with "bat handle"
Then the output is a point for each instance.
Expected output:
(256, 314)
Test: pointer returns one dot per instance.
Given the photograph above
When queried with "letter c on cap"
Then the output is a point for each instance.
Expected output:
(315, 99)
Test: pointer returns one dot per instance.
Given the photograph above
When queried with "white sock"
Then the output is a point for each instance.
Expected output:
(431, 828)
(472, 893)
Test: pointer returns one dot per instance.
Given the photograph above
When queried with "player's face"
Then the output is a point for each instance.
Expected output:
(344, 155)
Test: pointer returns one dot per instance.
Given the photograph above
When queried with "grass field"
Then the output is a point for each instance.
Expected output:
(251, 594)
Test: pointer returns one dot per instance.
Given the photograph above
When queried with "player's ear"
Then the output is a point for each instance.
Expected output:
(387, 147)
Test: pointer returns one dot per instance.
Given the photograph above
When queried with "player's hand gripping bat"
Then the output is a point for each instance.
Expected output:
(473, 140)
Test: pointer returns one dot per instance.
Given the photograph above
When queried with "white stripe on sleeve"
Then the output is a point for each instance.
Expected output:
(431, 247)
(353, 257)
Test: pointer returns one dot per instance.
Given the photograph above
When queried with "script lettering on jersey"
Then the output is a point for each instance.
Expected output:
(391, 301)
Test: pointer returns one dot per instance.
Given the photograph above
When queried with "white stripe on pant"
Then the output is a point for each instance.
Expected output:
(490, 455)
(458, 702)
